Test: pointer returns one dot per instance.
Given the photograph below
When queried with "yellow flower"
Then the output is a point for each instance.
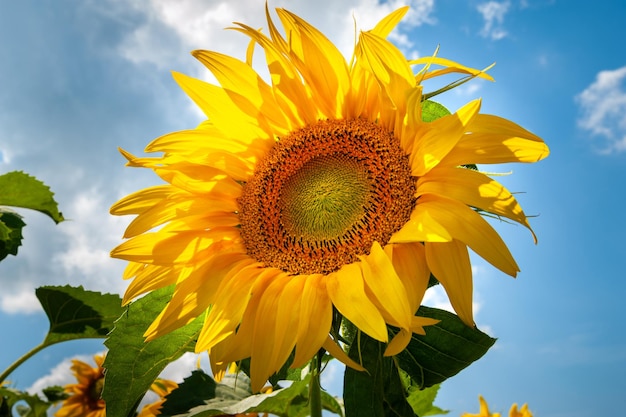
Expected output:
(321, 189)
(513, 412)
(85, 396)
(161, 387)
(523, 412)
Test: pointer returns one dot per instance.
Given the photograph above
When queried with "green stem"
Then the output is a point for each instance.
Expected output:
(20, 361)
(315, 388)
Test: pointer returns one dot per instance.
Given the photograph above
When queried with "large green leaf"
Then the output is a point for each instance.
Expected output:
(75, 313)
(200, 396)
(132, 364)
(11, 225)
(379, 392)
(447, 348)
(18, 189)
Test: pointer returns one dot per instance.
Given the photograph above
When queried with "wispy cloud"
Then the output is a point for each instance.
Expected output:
(603, 109)
(168, 28)
(493, 15)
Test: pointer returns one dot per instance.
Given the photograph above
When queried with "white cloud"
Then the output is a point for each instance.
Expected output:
(493, 14)
(90, 233)
(74, 252)
(170, 29)
(23, 300)
(603, 109)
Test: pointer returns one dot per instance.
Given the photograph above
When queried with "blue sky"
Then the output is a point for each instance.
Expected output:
(79, 79)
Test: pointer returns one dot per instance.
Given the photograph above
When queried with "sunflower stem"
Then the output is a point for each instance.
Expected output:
(20, 361)
(315, 388)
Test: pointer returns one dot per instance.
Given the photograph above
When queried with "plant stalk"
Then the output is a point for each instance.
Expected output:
(20, 361)
(315, 388)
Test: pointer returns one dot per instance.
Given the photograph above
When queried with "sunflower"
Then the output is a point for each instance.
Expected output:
(321, 190)
(513, 412)
(85, 398)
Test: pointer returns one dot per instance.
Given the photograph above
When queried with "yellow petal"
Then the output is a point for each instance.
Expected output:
(418, 323)
(141, 200)
(288, 319)
(267, 338)
(384, 27)
(231, 300)
(421, 227)
(398, 343)
(474, 189)
(193, 294)
(449, 67)
(492, 139)
(387, 290)
(291, 94)
(409, 262)
(390, 68)
(319, 62)
(347, 292)
(316, 317)
(440, 137)
(450, 264)
(244, 86)
(336, 352)
(488, 123)
(150, 278)
(220, 109)
(495, 149)
(240, 346)
(187, 141)
(162, 248)
(472, 229)
(214, 213)
(200, 179)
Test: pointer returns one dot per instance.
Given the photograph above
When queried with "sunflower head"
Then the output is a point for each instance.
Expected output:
(86, 395)
(320, 190)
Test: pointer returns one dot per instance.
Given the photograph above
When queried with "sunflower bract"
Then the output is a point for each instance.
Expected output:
(319, 188)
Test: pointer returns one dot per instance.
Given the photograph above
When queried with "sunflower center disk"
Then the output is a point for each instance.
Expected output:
(324, 194)
(324, 198)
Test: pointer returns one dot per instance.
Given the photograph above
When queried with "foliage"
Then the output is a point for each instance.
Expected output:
(18, 189)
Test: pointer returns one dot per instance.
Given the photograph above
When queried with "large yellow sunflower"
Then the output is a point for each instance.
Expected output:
(321, 189)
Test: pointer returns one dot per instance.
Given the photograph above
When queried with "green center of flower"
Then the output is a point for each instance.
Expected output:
(324, 194)
(95, 391)
(324, 198)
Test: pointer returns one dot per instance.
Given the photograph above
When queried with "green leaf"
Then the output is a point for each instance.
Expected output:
(18, 189)
(75, 313)
(55, 393)
(422, 401)
(431, 110)
(447, 348)
(192, 392)
(11, 225)
(379, 392)
(132, 364)
(10, 397)
(234, 396)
